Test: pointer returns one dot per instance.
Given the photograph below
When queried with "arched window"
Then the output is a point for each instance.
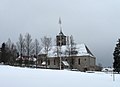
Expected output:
(54, 61)
(48, 62)
(79, 61)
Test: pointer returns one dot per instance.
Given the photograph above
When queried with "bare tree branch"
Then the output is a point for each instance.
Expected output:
(28, 44)
(46, 43)
(37, 47)
(21, 45)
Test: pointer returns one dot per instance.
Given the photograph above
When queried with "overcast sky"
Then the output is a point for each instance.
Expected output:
(93, 22)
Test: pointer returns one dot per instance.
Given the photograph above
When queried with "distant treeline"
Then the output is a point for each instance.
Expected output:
(24, 51)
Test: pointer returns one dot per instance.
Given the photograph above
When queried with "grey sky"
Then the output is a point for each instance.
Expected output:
(93, 22)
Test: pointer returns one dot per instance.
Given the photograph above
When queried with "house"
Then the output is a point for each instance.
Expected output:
(28, 61)
(72, 56)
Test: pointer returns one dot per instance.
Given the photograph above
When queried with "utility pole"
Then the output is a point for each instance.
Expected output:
(113, 76)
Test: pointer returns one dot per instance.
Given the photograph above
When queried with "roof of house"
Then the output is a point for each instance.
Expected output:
(81, 50)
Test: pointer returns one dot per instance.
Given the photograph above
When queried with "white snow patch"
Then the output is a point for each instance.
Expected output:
(43, 63)
(25, 77)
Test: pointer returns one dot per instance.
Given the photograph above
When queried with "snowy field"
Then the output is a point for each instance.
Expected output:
(25, 77)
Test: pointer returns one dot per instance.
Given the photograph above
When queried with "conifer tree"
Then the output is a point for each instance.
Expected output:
(3, 54)
(116, 54)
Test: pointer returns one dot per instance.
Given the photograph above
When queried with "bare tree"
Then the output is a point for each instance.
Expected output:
(68, 47)
(37, 49)
(28, 48)
(13, 53)
(71, 50)
(28, 44)
(46, 43)
(21, 45)
(9, 43)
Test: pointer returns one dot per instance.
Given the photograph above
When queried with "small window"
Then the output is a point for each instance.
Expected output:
(41, 61)
(79, 61)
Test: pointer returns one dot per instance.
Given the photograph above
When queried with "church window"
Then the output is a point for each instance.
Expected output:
(79, 61)
(65, 59)
(48, 62)
(54, 62)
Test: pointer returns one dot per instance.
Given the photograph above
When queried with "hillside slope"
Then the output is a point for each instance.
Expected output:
(25, 77)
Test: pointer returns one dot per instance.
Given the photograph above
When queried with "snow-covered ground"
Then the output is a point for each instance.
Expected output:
(25, 77)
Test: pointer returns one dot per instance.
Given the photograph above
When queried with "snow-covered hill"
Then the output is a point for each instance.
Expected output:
(24, 77)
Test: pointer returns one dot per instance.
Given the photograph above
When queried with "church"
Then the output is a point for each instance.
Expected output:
(66, 54)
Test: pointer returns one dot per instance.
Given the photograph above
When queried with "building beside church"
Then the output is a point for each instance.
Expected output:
(67, 54)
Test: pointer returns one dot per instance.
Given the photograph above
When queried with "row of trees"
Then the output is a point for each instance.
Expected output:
(8, 53)
(25, 46)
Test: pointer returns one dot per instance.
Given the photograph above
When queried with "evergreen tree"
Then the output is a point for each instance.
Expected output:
(3, 54)
(116, 54)
(0, 55)
(11, 52)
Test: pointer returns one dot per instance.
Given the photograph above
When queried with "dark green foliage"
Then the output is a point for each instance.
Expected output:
(0, 54)
(4, 54)
(116, 54)
(8, 54)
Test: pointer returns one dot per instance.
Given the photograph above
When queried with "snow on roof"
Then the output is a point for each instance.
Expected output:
(81, 49)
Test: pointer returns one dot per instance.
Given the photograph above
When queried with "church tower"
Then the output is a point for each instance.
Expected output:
(60, 38)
